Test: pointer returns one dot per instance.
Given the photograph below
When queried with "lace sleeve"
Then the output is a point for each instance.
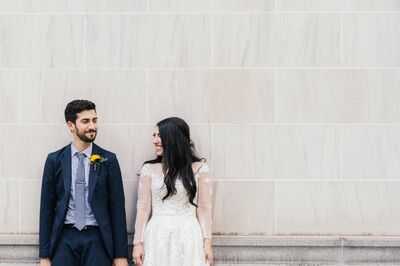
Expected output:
(204, 210)
(143, 204)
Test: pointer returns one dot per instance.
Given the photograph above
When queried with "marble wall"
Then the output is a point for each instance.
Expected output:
(294, 103)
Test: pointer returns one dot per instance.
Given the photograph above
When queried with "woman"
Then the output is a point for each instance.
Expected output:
(176, 188)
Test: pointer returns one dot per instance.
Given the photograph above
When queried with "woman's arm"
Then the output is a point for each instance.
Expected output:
(143, 203)
(204, 210)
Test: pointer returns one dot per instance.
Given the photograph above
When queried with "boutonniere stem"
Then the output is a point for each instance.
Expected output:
(97, 160)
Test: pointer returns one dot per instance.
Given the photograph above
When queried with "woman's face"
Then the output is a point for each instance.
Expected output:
(157, 142)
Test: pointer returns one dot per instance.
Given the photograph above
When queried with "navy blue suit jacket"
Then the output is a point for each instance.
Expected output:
(106, 198)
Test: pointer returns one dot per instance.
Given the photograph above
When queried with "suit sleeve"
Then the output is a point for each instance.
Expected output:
(117, 209)
(47, 207)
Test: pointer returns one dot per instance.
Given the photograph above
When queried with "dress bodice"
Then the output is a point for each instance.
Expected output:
(151, 191)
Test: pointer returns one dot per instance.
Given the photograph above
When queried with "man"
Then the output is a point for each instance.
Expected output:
(82, 208)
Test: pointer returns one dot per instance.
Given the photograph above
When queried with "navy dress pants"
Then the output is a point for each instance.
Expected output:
(81, 248)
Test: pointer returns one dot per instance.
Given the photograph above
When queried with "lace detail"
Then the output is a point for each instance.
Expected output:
(204, 169)
(146, 170)
(174, 235)
(143, 203)
(204, 194)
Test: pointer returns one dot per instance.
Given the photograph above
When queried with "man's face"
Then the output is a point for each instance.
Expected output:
(85, 127)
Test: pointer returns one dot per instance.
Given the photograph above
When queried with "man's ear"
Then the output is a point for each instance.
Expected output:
(71, 126)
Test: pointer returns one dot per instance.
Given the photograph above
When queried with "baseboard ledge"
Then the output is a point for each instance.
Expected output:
(257, 250)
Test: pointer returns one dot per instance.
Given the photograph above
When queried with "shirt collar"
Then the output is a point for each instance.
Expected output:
(87, 151)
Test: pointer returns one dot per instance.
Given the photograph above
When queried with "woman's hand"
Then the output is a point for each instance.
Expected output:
(208, 251)
(138, 254)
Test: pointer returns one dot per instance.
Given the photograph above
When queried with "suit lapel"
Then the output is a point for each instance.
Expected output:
(93, 175)
(66, 169)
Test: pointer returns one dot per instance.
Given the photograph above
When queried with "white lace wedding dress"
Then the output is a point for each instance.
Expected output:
(174, 235)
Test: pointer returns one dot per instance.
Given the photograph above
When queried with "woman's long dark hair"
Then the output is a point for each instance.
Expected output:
(178, 156)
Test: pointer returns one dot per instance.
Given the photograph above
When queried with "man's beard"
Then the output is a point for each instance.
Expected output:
(82, 136)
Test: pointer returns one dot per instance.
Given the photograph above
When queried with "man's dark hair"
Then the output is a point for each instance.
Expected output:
(75, 107)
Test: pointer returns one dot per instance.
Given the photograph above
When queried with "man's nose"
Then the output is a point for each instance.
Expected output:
(92, 125)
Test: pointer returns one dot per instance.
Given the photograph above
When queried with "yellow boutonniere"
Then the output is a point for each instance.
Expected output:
(96, 160)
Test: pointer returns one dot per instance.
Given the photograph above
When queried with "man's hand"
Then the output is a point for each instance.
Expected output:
(120, 262)
(45, 262)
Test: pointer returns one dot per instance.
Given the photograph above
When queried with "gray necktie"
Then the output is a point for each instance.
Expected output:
(80, 202)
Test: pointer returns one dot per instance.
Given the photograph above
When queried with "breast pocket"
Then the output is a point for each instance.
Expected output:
(101, 182)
